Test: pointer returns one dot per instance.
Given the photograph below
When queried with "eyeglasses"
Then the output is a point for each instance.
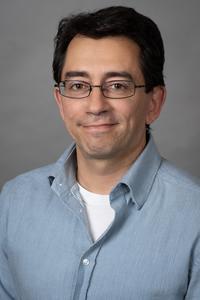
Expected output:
(115, 89)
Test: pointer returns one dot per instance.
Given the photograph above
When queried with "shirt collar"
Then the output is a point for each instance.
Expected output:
(138, 179)
(140, 176)
(63, 177)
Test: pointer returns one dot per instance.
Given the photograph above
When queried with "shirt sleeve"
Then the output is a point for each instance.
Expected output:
(7, 291)
(193, 292)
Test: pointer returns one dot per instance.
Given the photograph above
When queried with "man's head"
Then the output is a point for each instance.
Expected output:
(108, 69)
(115, 21)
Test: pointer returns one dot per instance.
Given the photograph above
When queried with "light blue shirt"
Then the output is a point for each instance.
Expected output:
(151, 251)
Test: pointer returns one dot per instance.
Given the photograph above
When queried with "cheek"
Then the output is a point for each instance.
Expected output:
(70, 112)
(131, 113)
(68, 117)
(141, 110)
(72, 115)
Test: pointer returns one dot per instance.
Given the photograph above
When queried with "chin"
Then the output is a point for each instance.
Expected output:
(98, 152)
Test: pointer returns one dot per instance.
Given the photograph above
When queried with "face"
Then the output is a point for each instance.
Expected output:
(106, 128)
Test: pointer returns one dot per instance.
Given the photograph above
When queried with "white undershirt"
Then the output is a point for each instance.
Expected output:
(99, 212)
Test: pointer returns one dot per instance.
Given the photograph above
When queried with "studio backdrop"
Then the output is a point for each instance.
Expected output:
(31, 132)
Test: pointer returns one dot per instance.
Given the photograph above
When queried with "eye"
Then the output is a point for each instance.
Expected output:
(77, 86)
(119, 85)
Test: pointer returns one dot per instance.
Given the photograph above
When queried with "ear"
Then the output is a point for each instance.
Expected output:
(59, 102)
(158, 96)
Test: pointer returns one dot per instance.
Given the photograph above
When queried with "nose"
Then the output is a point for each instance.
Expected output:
(97, 103)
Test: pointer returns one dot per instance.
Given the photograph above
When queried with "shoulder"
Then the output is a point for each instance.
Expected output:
(177, 177)
(37, 178)
(33, 187)
(20, 191)
(26, 194)
(177, 195)
(179, 188)
(29, 179)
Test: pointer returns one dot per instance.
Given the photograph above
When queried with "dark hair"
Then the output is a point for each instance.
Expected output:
(115, 21)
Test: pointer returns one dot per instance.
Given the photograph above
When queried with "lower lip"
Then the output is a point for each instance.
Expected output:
(99, 128)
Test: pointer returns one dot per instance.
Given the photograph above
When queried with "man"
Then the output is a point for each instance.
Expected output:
(110, 219)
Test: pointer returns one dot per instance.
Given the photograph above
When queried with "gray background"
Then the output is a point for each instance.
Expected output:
(32, 133)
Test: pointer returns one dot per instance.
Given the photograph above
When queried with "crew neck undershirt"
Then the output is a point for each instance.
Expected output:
(99, 212)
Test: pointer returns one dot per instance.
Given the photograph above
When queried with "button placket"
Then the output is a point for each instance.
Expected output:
(85, 262)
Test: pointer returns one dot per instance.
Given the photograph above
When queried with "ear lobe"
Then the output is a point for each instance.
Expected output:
(156, 103)
(59, 102)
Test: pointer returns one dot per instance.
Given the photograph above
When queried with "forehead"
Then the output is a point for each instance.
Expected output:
(102, 55)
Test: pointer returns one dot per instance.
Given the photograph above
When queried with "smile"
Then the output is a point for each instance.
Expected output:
(99, 127)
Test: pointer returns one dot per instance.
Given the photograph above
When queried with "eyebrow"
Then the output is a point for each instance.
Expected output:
(71, 74)
(124, 74)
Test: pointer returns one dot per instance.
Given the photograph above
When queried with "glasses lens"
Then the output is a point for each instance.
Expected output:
(118, 89)
(74, 89)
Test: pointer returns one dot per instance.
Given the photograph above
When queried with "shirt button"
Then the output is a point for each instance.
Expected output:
(85, 262)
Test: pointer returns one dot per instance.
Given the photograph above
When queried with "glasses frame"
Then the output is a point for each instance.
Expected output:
(101, 86)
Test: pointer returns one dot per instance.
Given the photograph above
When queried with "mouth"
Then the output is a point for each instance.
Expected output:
(104, 127)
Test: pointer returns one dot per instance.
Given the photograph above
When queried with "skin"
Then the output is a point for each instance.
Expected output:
(109, 133)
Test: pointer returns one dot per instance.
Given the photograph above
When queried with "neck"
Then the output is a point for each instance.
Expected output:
(101, 175)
